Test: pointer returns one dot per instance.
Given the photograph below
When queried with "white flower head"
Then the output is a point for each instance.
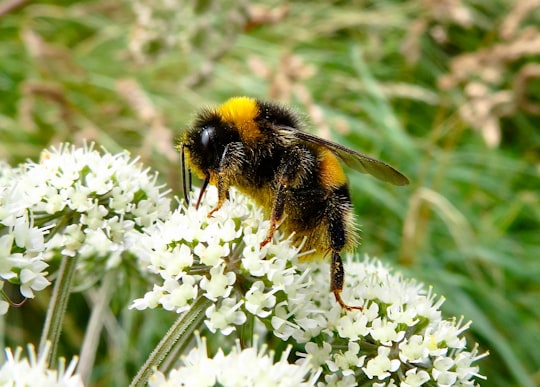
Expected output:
(75, 201)
(240, 367)
(399, 329)
(107, 192)
(222, 254)
(17, 370)
(399, 326)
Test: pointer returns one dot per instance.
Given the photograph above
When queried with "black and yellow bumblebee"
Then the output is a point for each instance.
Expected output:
(261, 149)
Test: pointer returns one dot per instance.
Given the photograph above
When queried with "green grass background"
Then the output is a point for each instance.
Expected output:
(446, 91)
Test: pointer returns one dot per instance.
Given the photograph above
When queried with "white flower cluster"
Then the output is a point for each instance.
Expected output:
(16, 370)
(219, 257)
(75, 201)
(247, 367)
(400, 338)
(21, 243)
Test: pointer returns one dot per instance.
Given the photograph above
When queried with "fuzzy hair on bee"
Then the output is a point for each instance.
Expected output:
(260, 148)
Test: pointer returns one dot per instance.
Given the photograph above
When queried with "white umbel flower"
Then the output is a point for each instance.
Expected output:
(16, 370)
(224, 252)
(394, 334)
(75, 201)
(240, 367)
(399, 338)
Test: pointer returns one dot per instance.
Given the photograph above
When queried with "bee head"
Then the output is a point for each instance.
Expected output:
(203, 146)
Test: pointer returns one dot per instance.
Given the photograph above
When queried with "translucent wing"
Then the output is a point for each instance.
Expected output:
(353, 159)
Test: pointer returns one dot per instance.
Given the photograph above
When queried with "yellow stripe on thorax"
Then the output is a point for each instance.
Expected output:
(241, 112)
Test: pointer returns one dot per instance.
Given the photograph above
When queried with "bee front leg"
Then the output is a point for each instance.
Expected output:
(228, 167)
(223, 193)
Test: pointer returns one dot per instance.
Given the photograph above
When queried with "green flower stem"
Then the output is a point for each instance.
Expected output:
(174, 340)
(246, 332)
(57, 307)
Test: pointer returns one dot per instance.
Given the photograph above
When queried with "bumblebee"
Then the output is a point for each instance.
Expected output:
(261, 149)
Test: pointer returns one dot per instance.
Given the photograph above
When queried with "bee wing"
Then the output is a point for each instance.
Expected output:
(353, 159)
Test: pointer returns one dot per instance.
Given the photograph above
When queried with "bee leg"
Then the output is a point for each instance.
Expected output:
(337, 232)
(291, 172)
(223, 194)
(277, 213)
(229, 162)
(337, 277)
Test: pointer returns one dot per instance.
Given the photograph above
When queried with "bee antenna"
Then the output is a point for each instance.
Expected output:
(185, 171)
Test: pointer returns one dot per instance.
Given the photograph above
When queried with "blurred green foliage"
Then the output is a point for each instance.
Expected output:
(446, 91)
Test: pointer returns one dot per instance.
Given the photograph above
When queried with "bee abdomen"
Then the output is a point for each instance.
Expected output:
(324, 218)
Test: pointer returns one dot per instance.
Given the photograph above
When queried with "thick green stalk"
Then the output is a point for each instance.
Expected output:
(57, 307)
(176, 338)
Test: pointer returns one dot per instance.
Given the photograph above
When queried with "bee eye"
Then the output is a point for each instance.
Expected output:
(206, 136)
